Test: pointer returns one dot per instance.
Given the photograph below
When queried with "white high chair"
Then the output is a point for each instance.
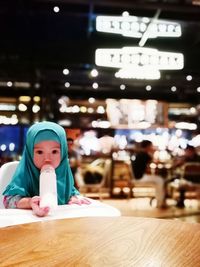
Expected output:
(20, 216)
(6, 172)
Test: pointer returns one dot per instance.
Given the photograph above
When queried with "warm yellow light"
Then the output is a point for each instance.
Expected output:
(36, 98)
(24, 98)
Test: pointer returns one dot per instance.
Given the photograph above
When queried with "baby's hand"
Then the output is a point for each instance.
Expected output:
(79, 200)
(35, 205)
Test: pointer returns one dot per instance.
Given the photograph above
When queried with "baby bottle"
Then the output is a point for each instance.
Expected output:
(48, 187)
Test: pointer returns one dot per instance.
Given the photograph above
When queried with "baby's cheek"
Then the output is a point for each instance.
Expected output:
(38, 162)
(56, 163)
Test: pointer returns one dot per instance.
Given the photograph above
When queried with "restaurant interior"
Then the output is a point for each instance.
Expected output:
(112, 73)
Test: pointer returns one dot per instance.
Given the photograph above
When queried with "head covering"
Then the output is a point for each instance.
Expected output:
(25, 181)
(46, 135)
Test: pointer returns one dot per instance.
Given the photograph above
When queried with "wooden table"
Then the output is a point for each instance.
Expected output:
(101, 242)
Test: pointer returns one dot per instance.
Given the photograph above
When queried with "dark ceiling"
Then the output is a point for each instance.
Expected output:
(37, 43)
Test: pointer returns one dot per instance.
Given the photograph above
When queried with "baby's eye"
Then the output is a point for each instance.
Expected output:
(39, 152)
(55, 151)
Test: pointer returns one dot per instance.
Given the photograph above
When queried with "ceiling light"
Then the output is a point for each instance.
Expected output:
(148, 87)
(94, 73)
(95, 85)
(122, 87)
(9, 84)
(65, 71)
(67, 84)
(91, 100)
(173, 88)
(56, 9)
(188, 77)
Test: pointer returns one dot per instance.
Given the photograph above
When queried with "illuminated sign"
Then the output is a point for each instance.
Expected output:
(135, 62)
(132, 26)
(147, 73)
(138, 56)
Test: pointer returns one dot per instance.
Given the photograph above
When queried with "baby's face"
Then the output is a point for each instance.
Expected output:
(47, 152)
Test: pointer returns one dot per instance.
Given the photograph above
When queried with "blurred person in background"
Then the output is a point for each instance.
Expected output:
(140, 166)
(74, 160)
(190, 155)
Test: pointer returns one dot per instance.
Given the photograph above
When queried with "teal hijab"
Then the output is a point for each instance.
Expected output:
(25, 181)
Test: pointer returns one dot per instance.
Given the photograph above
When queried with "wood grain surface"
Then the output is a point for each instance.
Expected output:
(104, 241)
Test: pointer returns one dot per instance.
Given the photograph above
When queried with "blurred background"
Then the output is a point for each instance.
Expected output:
(48, 72)
(112, 73)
